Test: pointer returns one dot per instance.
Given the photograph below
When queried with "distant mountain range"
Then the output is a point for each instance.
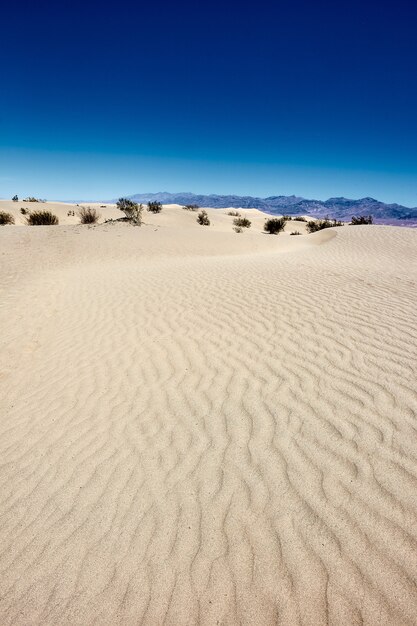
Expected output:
(339, 208)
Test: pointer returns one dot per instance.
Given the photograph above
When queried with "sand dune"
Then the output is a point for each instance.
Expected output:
(199, 427)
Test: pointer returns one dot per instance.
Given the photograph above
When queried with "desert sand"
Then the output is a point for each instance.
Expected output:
(204, 427)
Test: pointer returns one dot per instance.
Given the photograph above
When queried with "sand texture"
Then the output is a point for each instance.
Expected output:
(203, 427)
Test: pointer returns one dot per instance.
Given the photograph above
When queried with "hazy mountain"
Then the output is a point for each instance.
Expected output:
(339, 208)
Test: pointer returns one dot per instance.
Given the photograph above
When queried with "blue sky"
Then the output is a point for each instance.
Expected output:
(312, 98)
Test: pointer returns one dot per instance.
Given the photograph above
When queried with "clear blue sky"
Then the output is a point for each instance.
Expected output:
(311, 98)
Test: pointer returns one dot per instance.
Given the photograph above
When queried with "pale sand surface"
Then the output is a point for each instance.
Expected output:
(200, 427)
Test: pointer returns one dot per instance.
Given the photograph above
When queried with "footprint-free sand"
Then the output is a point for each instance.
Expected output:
(204, 427)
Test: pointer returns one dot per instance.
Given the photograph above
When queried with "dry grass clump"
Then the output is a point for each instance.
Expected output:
(295, 232)
(88, 215)
(361, 219)
(203, 218)
(315, 225)
(299, 218)
(238, 229)
(234, 213)
(154, 207)
(287, 218)
(191, 207)
(41, 218)
(274, 225)
(6, 218)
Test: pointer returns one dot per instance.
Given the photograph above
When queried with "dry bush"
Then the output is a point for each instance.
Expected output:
(299, 218)
(361, 219)
(314, 225)
(295, 232)
(191, 207)
(88, 215)
(234, 213)
(274, 225)
(41, 218)
(132, 210)
(154, 207)
(6, 218)
(242, 222)
(203, 218)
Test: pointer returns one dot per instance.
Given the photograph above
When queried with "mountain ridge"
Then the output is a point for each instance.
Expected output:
(337, 207)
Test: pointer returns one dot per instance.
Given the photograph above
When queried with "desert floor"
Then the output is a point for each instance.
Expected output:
(204, 427)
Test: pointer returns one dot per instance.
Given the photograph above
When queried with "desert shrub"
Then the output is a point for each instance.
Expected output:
(154, 207)
(234, 213)
(6, 218)
(15, 199)
(238, 229)
(315, 225)
(295, 232)
(41, 218)
(24, 211)
(191, 207)
(242, 222)
(274, 225)
(203, 218)
(31, 199)
(287, 218)
(131, 209)
(299, 218)
(361, 219)
(88, 215)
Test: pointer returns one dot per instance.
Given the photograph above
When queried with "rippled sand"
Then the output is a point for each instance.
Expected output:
(199, 427)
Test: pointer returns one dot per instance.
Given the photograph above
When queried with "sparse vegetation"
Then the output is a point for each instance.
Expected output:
(242, 222)
(15, 199)
(287, 218)
(6, 218)
(88, 215)
(315, 225)
(132, 210)
(154, 207)
(295, 232)
(274, 225)
(24, 211)
(234, 213)
(31, 199)
(299, 218)
(361, 219)
(191, 207)
(238, 229)
(203, 218)
(41, 218)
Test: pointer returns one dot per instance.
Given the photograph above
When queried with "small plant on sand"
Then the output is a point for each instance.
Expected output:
(287, 218)
(88, 215)
(242, 222)
(24, 211)
(274, 225)
(15, 199)
(299, 218)
(154, 207)
(315, 225)
(6, 218)
(191, 207)
(31, 199)
(233, 213)
(295, 232)
(361, 219)
(203, 218)
(41, 218)
(131, 209)
(238, 229)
